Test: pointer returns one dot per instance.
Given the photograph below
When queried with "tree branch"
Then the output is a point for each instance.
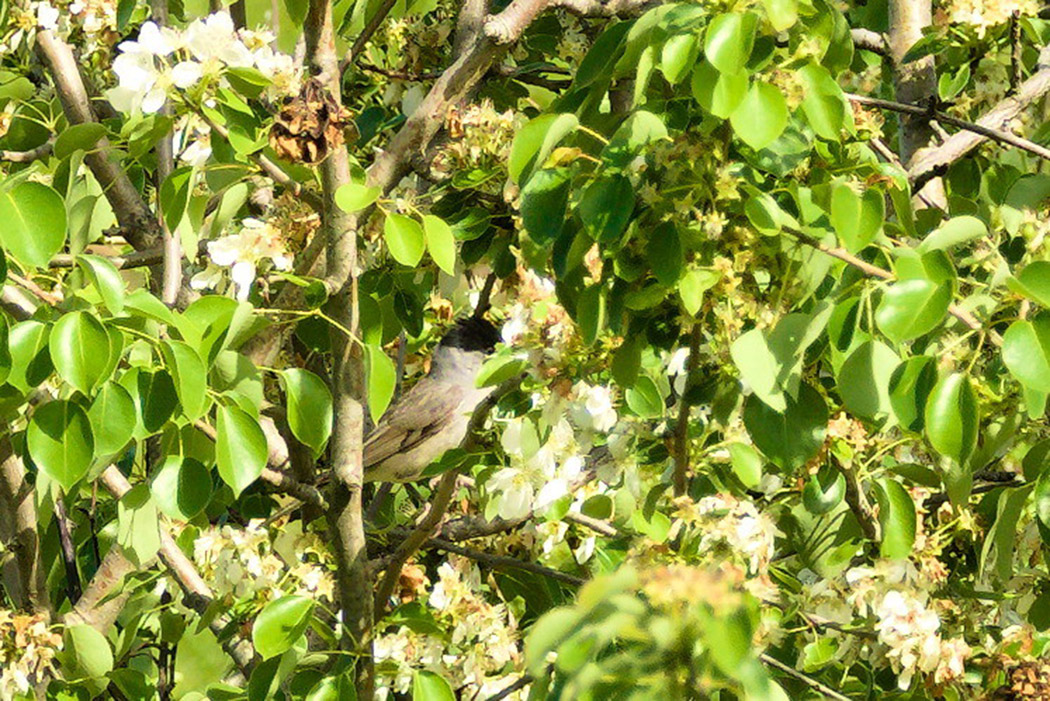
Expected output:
(69, 553)
(681, 433)
(172, 275)
(809, 681)
(503, 562)
(870, 41)
(137, 222)
(29, 156)
(26, 585)
(97, 607)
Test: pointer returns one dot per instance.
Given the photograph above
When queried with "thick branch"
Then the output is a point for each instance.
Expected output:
(606, 8)
(172, 278)
(23, 576)
(97, 607)
(137, 223)
(870, 41)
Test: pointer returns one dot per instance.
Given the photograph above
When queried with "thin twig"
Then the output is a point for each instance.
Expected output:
(35, 289)
(503, 561)
(373, 25)
(29, 155)
(69, 553)
(681, 434)
(804, 678)
(870, 41)
(1016, 63)
(521, 683)
(858, 504)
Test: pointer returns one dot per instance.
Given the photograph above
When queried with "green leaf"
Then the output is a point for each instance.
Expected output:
(864, 379)
(353, 197)
(190, 376)
(78, 137)
(792, 437)
(155, 399)
(142, 303)
(632, 137)
(181, 487)
(429, 686)
(34, 218)
(30, 359)
(79, 347)
(824, 104)
(112, 417)
(747, 464)
(678, 56)
(500, 368)
(240, 448)
(761, 117)
(309, 408)
(535, 141)
(6, 361)
(766, 215)
(911, 308)
(404, 239)
(782, 14)
(60, 442)
(605, 208)
(952, 417)
(543, 202)
(693, 285)
(138, 525)
(1026, 353)
(759, 367)
(664, 253)
(997, 554)
(857, 219)
(910, 387)
(954, 232)
(175, 195)
(280, 624)
(897, 519)
(440, 242)
(590, 312)
(627, 360)
(106, 279)
(824, 491)
(382, 378)
(86, 653)
(1041, 502)
(644, 398)
(718, 93)
(729, 40)
(1033, 282)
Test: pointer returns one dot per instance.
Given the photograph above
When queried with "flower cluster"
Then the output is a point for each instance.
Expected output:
(984, 14)
(242, 253)
(163, 58)
(482, 648)
(27, 652)
(251, 563)
(480, 141)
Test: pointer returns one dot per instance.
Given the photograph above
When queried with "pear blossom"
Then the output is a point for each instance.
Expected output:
(46, 16)
(242, 253)
(594, 410)
(513, 492)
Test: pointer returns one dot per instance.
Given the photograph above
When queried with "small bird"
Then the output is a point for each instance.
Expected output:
(433, 416)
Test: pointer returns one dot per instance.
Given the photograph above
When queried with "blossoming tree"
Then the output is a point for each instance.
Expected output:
(769, 417)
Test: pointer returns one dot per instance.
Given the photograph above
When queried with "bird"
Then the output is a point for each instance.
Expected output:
(433, 416)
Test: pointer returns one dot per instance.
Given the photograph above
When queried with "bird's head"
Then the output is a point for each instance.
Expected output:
(472, 334)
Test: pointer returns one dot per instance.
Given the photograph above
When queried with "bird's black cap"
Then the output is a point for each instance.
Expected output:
(472, 334)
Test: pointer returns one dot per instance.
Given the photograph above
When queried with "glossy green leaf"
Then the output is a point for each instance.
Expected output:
(1026, 353)
(761, 116)
(897, 519)
(353, 197)
(911, 308)
(309, 407)
(190, 376)
(441, 243)
(824, 104)
(175, 195)
(997, 553)
(759, 367)
(404, 239)
(543, 202)
(240, 447)
(664, 253)
(78, 137)
(718, 93)
(678, 56)
(1033, 282)
(954, 232)
(729, 40)
(79, 348)
(910, 386)
(112, 417)
(824, 491)
(782, 14)
(106, 279)
(693, 285)
(34, 218)
(864, 379)
(85, 653)
(280, 624)
(590, 312)
(138, 525)
(857, 218)
(747, 464)
(430, 686)
(632, 137)
(382, 378)
(766, 215)
(155, 399)
(60, 442)
(535, 141)
(499, 368)
(181, 487)
(30, 356)
(605, 208)
(952, 417)
(644, 399)
(792, 437)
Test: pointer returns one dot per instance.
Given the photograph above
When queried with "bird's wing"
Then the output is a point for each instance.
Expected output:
(421, 413)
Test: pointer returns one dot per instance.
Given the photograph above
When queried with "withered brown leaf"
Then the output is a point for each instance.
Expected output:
(310, 125)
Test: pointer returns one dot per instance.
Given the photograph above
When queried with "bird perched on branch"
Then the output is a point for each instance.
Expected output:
(433, 416)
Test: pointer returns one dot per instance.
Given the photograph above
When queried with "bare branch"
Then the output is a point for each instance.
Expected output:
(503, 561)
(681, 434)
(97, 607)
(29, 156)
(373, 25)
(870, 41)
(172, 275)
(606, 8)
(809, 681)
(137, 222)
(69, 553)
